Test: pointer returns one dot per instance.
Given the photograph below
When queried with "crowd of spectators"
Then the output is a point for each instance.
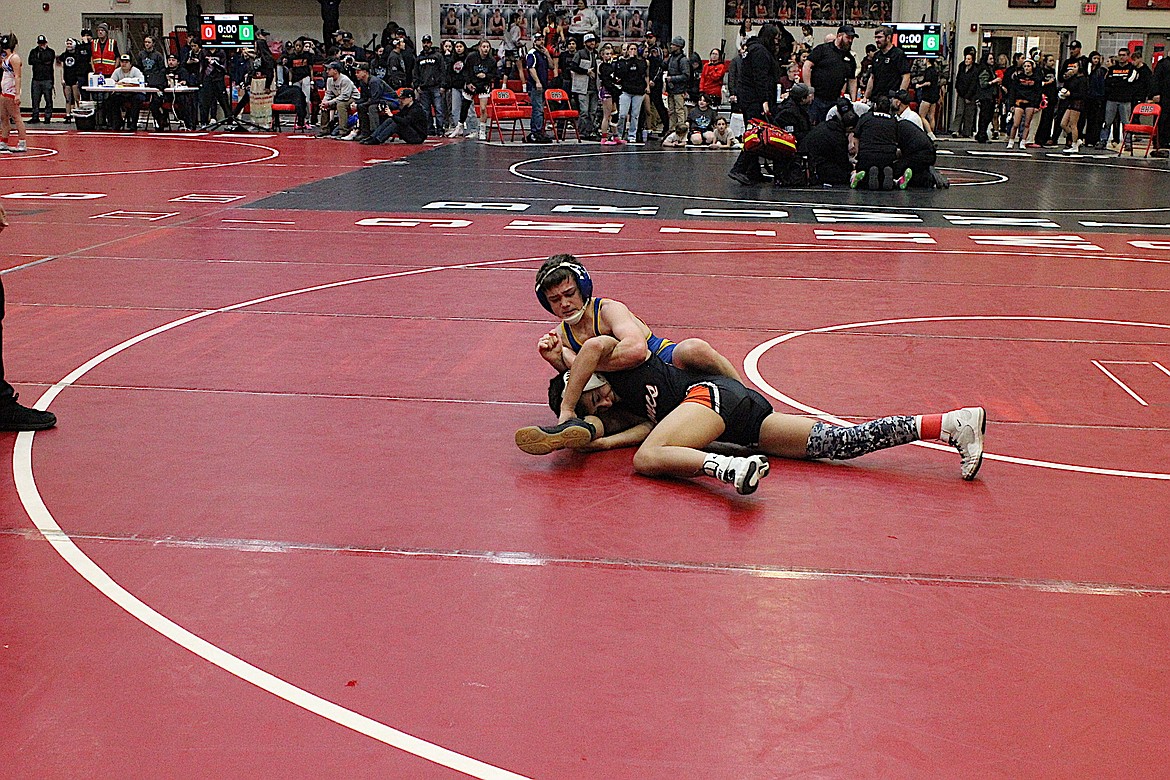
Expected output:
(1032, 101)
(623, 93)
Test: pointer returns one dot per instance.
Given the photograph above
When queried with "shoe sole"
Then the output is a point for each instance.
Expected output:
(536, 441)
(982, 433)
(36, 427)
(755, 473)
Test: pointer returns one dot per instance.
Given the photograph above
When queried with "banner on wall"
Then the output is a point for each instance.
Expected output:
(818, 13)
(471, 22)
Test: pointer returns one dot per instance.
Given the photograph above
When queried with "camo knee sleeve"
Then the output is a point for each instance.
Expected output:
(842, 443)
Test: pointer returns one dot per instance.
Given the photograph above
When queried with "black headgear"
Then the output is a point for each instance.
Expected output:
(584, 283)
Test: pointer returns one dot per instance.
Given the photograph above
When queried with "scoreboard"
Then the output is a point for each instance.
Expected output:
(228, 31)
(919, 40)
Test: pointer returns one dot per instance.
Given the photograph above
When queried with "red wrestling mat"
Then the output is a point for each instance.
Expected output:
(316, 495)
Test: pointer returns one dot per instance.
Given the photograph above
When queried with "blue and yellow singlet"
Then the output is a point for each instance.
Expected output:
(664, 348)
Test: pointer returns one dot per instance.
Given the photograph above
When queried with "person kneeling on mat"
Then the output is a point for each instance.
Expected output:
(827, 147)
(917, 159)
(877, 147)
(410, 123)
(671, 414)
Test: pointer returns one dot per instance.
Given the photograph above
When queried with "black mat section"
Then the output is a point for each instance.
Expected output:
(1032, 187)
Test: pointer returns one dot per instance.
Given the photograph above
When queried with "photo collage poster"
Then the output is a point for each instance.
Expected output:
(471, 22)
(818, 13)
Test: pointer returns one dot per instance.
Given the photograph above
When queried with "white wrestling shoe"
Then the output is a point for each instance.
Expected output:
(541, 440)
(964, 430)
(744, 473)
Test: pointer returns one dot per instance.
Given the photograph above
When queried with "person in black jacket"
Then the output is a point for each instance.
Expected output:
(1161, 95)
(827, 147)
(153, 65)
(917, 158)
(1049, 91)
(877, 147)
(1095, 98)
(1119, 80)
(967, 89)
(655, 71)
(758, 78)
(372, 97)
(41, 60)
(989, 84)
(411, 123)
(792, 116)
(430, 76)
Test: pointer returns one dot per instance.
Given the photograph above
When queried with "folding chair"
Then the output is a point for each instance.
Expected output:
(558, 107)
(1135, 127)
(503, 107)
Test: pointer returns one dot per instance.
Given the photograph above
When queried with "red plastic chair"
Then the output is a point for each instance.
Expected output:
(280, 109)
(557, 106)
(1135, 127)
(503, 107)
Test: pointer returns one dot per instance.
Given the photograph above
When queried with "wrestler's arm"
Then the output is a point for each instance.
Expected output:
(631, 350)
(549, 347)
(593, 352)
(630, 437)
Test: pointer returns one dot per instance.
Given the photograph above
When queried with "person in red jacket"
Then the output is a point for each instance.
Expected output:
(711, 79)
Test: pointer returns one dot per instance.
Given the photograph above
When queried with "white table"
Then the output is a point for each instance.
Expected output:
(112, 89)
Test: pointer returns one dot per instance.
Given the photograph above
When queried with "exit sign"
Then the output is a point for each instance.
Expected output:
(1089, 9)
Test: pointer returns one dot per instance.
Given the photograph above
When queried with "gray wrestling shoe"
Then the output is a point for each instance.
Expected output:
(964, 429)
(541, 440)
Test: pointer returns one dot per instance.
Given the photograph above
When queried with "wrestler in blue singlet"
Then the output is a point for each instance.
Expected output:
(664, 348)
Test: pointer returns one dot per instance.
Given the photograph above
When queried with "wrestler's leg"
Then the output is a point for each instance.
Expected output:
(672, 449)
(963, 429)
(699, 357)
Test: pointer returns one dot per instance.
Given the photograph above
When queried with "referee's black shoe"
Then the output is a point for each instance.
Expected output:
(14, 417)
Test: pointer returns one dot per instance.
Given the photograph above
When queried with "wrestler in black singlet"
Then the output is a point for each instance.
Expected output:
(655, 389)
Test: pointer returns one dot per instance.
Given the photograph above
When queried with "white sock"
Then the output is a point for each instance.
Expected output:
(715, 465)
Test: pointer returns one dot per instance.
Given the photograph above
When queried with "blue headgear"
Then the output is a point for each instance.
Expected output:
(584, 283)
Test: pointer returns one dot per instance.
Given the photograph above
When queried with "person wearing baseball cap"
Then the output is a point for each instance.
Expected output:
(339, 96)
(677, 78)
(41, 60)
(123, 107)
(411, 123)
(831, 69)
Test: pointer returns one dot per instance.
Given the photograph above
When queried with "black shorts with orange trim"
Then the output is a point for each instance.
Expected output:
(743, 410)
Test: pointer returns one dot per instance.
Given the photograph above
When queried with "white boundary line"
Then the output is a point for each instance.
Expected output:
(197, 167)
(751, 365)
(16, 156)
(1120, 384)
(44, 521)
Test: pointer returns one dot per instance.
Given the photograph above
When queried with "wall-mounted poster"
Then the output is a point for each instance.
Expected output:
(627, 20)
(1148, 5)
(818, 13)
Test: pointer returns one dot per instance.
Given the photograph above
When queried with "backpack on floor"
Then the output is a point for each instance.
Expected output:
(768, 140)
